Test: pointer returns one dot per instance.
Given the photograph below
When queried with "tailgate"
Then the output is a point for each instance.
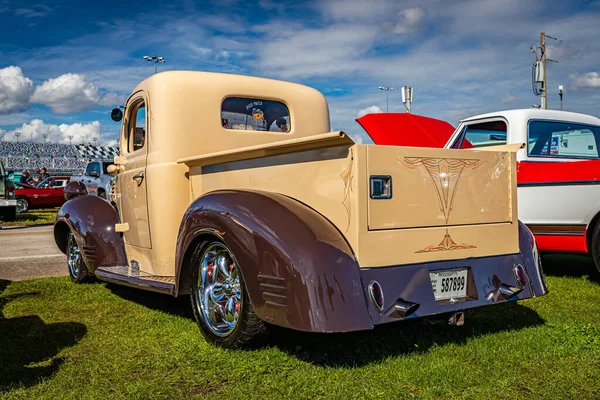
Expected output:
(439, 187)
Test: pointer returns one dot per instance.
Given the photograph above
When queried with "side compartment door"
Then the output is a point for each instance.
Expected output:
(132, 182)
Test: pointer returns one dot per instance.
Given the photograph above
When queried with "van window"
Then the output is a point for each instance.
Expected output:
(137, 127)
(94, 166)
(492, 133)
(242, 113)
(562, 139)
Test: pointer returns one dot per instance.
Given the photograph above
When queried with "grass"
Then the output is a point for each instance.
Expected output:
(67, 341)
(34, 217)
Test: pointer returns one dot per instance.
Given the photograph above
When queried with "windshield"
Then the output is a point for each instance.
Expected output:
(44, 183)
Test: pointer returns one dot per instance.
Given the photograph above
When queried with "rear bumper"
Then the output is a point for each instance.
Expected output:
(411, 283)
(8, 203)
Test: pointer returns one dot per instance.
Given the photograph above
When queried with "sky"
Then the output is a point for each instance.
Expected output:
(65, 64)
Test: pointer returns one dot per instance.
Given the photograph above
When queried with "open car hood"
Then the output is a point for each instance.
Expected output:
(404, 129)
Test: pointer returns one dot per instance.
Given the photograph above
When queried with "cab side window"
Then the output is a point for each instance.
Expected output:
(492, 133)
(136, 131)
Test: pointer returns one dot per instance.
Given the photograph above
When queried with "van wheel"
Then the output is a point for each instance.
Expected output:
(596, 246)
(220, 300)
(22, 204)
(77, 269)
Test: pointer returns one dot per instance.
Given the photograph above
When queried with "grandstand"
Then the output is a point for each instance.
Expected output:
(57, 158)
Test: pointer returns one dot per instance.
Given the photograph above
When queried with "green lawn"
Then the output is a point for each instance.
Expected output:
(34, 217)
(59, 340)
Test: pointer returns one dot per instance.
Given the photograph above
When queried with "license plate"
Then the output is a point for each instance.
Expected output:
(449, 283)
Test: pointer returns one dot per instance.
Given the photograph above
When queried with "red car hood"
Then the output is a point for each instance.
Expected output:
(404, 129)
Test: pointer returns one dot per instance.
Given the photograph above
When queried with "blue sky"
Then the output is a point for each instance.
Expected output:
(65, 64)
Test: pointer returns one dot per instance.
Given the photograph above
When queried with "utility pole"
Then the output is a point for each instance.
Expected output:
(544, 84)
(540, 83)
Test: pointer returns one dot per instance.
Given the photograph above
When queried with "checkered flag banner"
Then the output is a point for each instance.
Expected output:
(97, 152)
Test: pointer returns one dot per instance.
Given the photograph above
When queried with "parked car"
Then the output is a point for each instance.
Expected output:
(8, 204)
(236, 192)
(48, 193)
(96, 178)
(558, 172)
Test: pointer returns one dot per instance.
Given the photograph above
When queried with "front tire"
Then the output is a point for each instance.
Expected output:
(77, 269)
(220, 301)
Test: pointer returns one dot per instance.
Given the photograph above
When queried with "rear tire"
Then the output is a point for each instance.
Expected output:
(596, 246)
(220, 301)
(77, 269)
(102, 194)
(22, 205)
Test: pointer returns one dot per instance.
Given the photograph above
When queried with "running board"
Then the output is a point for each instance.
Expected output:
(124, 275)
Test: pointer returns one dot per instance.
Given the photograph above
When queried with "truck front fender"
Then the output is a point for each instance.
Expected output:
(299, 270)
(92, 221)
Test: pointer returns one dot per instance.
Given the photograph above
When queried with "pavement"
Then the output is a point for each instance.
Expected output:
(30, 252)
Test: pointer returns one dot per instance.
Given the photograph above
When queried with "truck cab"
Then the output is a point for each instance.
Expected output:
(234, 190)
(558, 172)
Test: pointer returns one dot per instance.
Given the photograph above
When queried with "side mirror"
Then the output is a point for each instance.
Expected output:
(116, 114)
(94, 174)
(74, 189)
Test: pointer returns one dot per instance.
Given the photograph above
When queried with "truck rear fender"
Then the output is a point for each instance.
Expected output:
(298, 268)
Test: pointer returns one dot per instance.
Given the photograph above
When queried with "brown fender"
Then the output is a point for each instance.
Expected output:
(298, 268)
(92, 220)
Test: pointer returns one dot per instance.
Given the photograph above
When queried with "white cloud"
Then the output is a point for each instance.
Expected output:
(38, 10)
(509, 99)
(368, 110)
(357, 138)
(64, 133)
(586, 81)
(409, 20)
(70, 93)
(15, 90)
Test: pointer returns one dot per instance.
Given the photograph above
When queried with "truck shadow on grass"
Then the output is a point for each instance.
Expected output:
(570, 266)
(355, 349)
(413, 336)
(29, 346)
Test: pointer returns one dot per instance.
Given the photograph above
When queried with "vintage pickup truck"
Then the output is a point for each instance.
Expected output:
(233, 189)
(558, 172)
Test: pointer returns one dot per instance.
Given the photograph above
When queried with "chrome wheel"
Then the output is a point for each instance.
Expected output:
(219, 290)
(73, 256)
(22, 205)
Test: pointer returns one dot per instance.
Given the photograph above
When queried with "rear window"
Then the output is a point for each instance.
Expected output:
(243, 113)
(562, 139)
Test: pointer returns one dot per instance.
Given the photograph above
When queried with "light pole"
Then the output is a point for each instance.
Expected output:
(17, 134)
(560, 93)
(70, 140)
(155, 60)
(387, 91)
(31, 137)
(45, 136)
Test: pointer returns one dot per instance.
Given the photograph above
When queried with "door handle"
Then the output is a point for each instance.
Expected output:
(139, 176)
